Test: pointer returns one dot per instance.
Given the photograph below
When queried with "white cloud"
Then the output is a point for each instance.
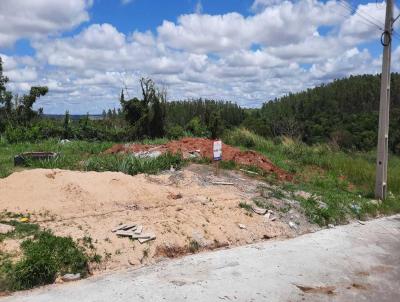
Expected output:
(259, 5)
(276, 25)
(124, 2)
(283, 47)
(38, 18)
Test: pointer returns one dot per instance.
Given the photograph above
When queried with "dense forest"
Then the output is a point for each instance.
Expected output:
(343, 113)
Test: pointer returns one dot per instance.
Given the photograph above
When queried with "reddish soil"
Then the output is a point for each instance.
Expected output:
(204, 147)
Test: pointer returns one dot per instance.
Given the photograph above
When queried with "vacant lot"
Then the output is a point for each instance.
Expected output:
(185, 209)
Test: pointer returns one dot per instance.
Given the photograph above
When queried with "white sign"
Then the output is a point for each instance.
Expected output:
(217, 149)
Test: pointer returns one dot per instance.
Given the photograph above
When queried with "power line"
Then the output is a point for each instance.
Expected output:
(365, 18)
(362, 13)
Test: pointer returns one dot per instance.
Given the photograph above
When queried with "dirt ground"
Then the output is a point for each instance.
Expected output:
(191, 147)
(91, 204)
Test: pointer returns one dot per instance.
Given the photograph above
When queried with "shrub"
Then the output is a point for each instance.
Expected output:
(175, 132)
(45, 256)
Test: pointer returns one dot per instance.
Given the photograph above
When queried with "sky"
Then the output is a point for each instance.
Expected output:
(245, 51)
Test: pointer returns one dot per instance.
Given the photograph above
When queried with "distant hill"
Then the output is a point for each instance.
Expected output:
(344, 112)
(74, 116)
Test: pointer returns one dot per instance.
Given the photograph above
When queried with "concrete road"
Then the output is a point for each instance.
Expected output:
(348, 263)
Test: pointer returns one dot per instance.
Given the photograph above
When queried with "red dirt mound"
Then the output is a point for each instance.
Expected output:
(204, 147)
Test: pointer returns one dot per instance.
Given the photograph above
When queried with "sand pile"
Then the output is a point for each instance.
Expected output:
(91, 204)
(204, 147)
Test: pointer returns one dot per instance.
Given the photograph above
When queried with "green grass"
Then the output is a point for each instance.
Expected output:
(129, 164)
(344, 181)
(71, 154)
(85, 156)
(22, 230)
(246, 206)
(44, 257)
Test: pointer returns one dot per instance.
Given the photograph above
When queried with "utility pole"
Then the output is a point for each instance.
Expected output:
(383, 134)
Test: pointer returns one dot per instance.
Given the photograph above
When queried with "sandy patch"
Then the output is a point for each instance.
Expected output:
(91, 204)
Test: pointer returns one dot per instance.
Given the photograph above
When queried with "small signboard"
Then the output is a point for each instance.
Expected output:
(217, 149)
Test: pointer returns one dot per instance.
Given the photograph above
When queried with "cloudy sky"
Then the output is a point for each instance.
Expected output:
(247, 51)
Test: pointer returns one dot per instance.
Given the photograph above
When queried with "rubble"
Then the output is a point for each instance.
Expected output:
(133, 231)
(241, 226)
(71, 277)
(258, 210)
(293, 225)
(202, 148)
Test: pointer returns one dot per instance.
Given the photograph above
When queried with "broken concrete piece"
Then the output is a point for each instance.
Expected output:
(331, 226)
(138, 230)
(5, 228)
(129, 227)
(71, 277)
(141, 236)
(267, 216)
(273, 218)
(149, 238)
(123, 233)
(120, 227)
(258, 210)
(293, 225)
(361, 222)
(249, 172)
(242, 226)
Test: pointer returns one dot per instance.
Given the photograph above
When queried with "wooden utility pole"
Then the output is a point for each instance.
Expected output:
(383, 134)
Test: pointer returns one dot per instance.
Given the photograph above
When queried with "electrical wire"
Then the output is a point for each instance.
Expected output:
(364, 17)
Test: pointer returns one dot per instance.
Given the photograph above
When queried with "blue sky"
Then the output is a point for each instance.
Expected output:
(247, 51)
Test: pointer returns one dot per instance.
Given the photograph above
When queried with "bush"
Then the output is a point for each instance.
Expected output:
(132, 165)
(175, 132)
(44, 258)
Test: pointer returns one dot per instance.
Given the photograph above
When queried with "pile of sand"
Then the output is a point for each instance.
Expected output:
(204, 147)
(91, 204)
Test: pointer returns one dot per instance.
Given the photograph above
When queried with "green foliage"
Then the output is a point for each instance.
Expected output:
(147, 116)
(22, 230)
(44, 257)
(343, 181)
(343, 113)
(175, 132)
(244, 205)
(132, 165)
(197, 128)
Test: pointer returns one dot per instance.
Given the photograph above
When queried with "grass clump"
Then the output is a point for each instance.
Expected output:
(194, 246)
(22, 230)
(132, 165)
(245, 205)
(44, 257)
(343, 181)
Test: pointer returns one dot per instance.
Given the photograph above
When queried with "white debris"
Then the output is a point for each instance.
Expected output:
(242, 226)
(331, 226)
(258, 210)
(71, 277)
(5, 228)
(293, 225)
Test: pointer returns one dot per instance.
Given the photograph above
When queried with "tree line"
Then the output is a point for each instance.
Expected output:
(343, 113)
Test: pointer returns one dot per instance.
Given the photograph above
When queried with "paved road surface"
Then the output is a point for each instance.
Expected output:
(348, 263)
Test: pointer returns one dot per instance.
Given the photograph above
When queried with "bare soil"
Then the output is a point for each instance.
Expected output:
(184, 209)
(204, 147)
